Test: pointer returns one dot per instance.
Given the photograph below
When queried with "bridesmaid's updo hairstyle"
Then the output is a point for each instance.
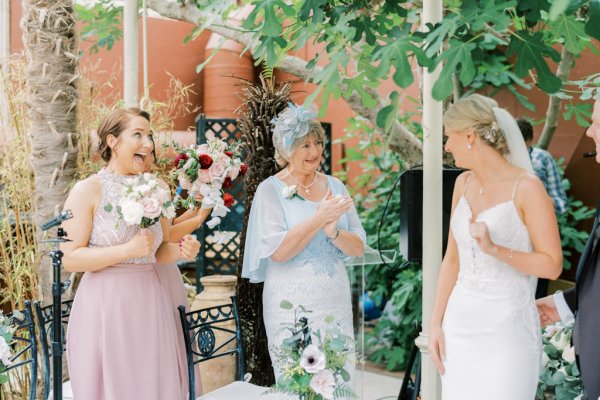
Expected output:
(477, 112)
(315, 131)
(113, 124)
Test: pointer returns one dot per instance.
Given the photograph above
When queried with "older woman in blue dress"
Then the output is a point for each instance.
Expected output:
(302, 224)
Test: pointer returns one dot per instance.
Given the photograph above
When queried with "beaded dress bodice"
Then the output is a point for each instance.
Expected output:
(108, 229)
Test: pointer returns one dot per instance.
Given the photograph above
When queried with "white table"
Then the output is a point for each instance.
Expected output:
(245, 391)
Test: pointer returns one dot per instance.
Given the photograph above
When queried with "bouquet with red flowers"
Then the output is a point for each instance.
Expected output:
(207, 170)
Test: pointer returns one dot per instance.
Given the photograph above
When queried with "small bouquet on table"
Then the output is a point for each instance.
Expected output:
(207, 170)
(143, 202)
(314, 361)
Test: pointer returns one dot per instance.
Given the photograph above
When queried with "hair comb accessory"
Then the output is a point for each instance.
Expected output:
(291, 124)
(491, 135)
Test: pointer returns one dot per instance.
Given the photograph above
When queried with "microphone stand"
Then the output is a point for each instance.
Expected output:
(58, 288)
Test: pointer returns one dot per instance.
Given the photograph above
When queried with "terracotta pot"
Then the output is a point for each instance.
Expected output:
(222, 77)
(221, 371)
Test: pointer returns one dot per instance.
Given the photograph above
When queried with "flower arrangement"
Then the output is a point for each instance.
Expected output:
(314, 361)
(6, 334)
(559, 375)
(207, 170)
(143, 202)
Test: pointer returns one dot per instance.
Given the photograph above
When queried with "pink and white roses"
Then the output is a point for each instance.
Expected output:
(207, 170)
(143, 202)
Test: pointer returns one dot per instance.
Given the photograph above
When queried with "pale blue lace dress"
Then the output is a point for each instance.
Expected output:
(315, 278)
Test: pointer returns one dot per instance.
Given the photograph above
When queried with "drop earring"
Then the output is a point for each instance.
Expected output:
(469, 146)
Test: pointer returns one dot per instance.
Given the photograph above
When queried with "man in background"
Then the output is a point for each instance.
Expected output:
(545, 168)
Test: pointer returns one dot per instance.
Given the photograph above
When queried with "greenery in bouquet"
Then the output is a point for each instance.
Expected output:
(143, 202)
(559, 375)
(6, 335)
(314, 361)
(206, 170)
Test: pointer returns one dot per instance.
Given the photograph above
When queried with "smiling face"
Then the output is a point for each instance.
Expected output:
(307, 156)
(594, 129)
(132, 149)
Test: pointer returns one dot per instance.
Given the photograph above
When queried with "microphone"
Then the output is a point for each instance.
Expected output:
(63, 216)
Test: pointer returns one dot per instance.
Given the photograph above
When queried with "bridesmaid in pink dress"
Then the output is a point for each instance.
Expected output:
(179, 231)
(122, 335)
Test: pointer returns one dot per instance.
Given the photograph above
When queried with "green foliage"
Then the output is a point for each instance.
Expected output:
(392, 339)
(487, 44)
(572, 239)
(560, 375)
(101, 24)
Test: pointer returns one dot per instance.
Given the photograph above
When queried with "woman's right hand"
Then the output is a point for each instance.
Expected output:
(332, 207)
(437, 347)
(142, 244)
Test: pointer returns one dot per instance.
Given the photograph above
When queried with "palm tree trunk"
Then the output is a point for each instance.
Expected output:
(262, 102)
(51, 47)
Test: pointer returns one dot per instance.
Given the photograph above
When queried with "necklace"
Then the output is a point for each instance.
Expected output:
(482, 187)
(307, 187)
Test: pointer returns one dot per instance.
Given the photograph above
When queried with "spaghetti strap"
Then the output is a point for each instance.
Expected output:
(467, 182)
(517, 184)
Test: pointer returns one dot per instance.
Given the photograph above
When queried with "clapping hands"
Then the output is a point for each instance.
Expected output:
(330, 210)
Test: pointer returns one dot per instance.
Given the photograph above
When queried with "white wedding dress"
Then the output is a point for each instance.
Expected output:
(491, 325)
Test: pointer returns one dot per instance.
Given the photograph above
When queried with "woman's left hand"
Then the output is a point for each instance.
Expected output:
(189, 246)
(480, 232)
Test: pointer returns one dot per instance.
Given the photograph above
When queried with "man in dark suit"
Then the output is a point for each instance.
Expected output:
(583, 301)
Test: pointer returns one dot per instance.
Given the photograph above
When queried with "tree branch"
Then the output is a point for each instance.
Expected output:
(562, 72)
(401, 140)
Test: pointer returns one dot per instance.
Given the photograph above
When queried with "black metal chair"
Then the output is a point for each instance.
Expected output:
(201, 342)
(24, 342)
(44, 318)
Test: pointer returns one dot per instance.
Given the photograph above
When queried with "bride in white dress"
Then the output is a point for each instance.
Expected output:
(484, 331)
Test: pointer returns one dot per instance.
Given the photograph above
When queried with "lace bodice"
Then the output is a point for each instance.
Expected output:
(478, 269)
(107, 229)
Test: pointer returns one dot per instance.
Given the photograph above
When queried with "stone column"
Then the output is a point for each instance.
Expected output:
(217, 291)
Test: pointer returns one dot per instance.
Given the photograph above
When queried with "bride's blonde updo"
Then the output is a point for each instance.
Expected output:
(477, 112)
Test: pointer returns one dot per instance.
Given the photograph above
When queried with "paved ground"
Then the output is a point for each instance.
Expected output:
(377, 385)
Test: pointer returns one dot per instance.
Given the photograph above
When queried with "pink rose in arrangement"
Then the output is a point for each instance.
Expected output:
(217, 170)
(151, 206)
(204, 176)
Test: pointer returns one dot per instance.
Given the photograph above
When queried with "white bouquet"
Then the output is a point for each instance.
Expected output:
(143, 202)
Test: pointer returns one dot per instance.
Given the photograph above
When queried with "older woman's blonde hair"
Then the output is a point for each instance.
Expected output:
(477, 112)
(315, 131)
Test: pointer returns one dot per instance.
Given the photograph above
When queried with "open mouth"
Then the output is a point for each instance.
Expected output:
(140, 158)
